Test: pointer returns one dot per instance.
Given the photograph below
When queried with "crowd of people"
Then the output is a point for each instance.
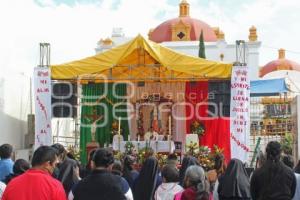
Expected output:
(55, 175)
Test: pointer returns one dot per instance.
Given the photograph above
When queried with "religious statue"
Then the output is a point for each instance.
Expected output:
(154, 119)
(115, 128)
(93, 119)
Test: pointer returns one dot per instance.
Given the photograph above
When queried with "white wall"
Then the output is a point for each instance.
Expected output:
(12, 130)
(14, 95)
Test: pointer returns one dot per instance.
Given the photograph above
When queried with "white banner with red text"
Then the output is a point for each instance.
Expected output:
(42, 99)
(240, 113)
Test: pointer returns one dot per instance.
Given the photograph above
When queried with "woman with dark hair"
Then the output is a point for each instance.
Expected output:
(196, 185)
(87, 170)
(19, 168)
(273, 180)
(146, 183)
(69, 174)
(234, 184)
(129, 173)
(186, 162)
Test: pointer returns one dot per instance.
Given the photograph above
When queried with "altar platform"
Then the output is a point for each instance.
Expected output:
(157, 146)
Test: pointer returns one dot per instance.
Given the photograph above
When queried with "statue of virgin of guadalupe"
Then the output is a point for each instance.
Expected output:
(154, 119)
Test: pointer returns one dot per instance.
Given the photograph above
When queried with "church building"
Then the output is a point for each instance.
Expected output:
(182, 34)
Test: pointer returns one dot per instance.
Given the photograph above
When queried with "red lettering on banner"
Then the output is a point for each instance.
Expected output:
(41, 73)
(240, 85)
(239, 109)
(240, 92)
(243, 146)
(42, 90)
(239, 130)
(240, 98)
(242, 110)
(43, 81)
(42, 107)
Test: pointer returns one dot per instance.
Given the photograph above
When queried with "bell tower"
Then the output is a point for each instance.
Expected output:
(184, 9)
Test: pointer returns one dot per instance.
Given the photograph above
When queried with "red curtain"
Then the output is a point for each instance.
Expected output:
(217, 130)
(195, 93)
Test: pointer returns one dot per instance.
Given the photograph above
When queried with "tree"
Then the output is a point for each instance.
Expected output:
(201, 53)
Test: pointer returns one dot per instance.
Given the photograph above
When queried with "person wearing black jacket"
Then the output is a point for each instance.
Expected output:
(68, 174)
(101, 184)
(129, 173)
(274, 180)
(66, 170)
(234, 183)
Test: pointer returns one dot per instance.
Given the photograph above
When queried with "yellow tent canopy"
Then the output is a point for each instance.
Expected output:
(141, 60)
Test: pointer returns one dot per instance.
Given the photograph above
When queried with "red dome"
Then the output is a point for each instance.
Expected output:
(279, 64)
(163, 32)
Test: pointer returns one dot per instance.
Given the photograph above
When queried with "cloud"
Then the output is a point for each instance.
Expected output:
(276, 23)
(73, 29)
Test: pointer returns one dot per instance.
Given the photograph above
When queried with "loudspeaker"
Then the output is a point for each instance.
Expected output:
(219, 95)
(64, 99)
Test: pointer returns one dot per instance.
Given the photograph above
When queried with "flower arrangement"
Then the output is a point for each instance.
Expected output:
(119, 155)
(204, 154)
(197, 128)
(217, 150)
(205, 158)
(129, 148)
(192, 148)
(144, 153)
(162, 159)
